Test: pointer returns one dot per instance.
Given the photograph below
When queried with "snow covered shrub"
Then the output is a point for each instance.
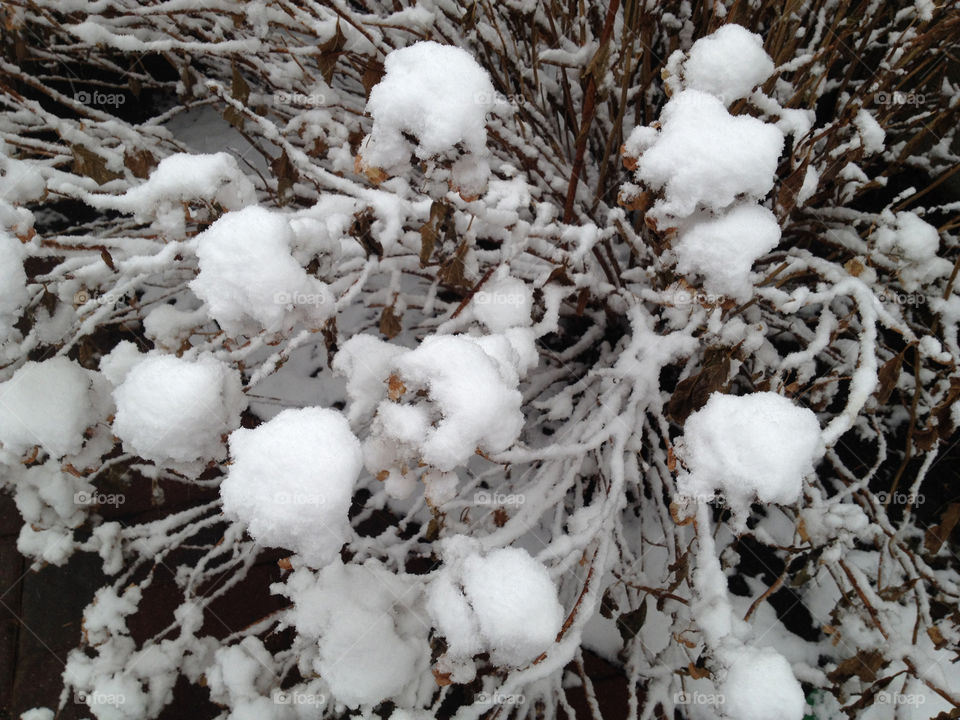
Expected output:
(416, 359)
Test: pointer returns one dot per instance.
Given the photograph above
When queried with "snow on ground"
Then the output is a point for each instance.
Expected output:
(292, 480)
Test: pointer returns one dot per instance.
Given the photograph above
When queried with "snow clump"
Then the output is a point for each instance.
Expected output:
(503, 603)
(368, 645)
(704, 157)
(50, 404)
(182, 178)
(292, 481)
(250, 280)
(759, 446)
(724, 249)
(728, 64)
(13, 280)
(912, 243)
(440, 95)
(173, 410)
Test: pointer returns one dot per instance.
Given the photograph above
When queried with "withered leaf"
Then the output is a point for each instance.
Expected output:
(790, 187)
(430, 231)
(372, 75)
(698, 673)
(692, 393)
(362, 231)
(390, 325)
(452, 270)
(395, 388)
(330, 51)
(608, 605)
(108, 259)
(863, 665)
(140, 162)
(629, 623)
(937, 535)
(89, 164)
(286, 175)
(559, 275)
(888, 374)
(239, 91)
